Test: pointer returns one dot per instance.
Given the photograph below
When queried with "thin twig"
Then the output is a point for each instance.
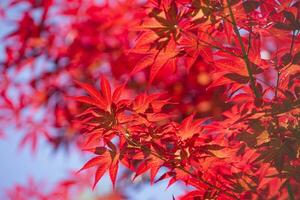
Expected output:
(245, 56)
(138, 145)
(290, 191)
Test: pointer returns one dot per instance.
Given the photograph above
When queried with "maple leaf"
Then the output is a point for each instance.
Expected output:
(106, 110)
(194, 48)
(103, 99)
(144, 101)
(102, 162)
(192, 195)
(113, 169)
(250, 49)
(188, 128)
(157, 59)
(153, 163)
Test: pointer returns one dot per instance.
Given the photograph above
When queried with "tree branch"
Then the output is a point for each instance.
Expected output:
(245, 55)
(138, 145)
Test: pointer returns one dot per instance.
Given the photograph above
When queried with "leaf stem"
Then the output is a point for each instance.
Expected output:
(245, 55)
(290, 191)
(138, 145)
(293, 41)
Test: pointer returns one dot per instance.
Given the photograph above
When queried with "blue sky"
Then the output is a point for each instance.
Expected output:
(17, 165)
